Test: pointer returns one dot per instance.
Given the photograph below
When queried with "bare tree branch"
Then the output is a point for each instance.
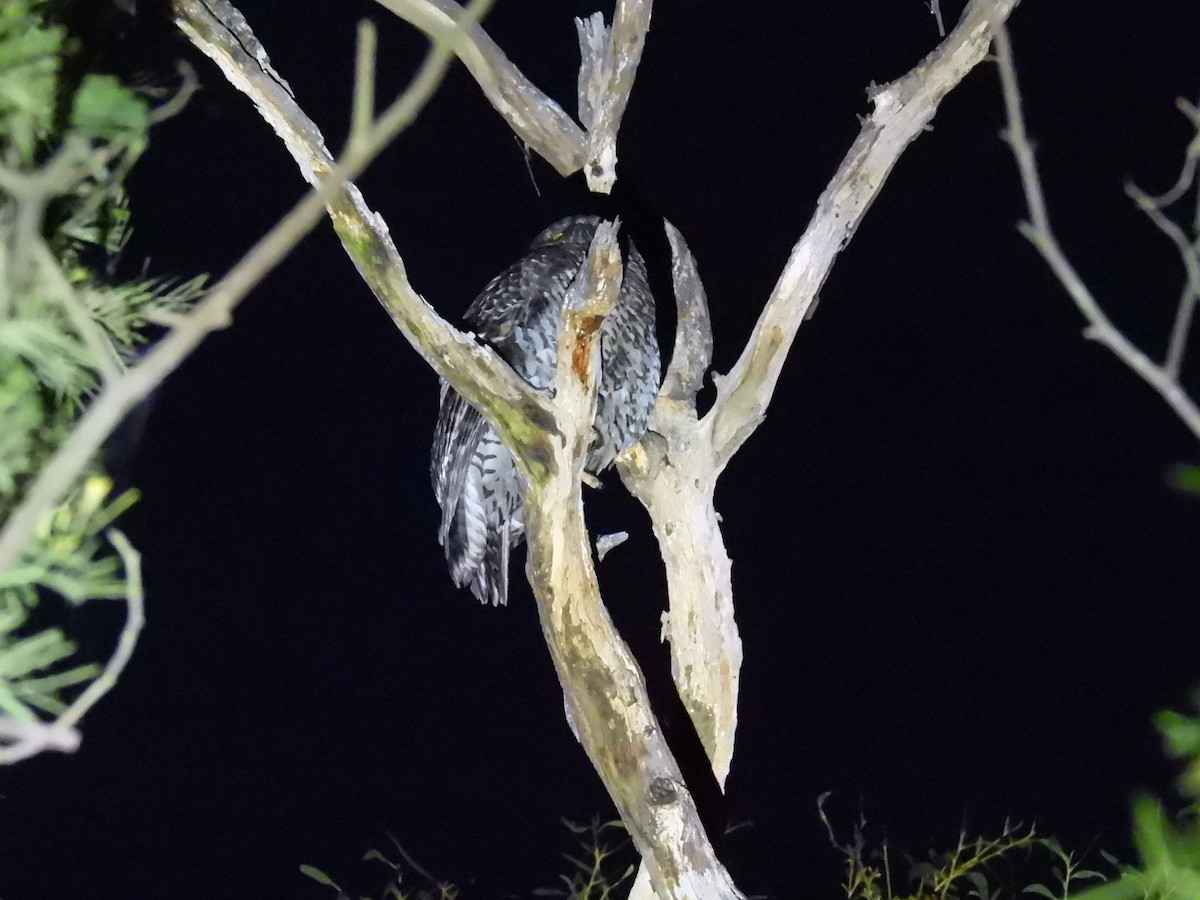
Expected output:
(604, 687)
(1191, 159)
(21, 739)
(536, 119)
(935, 7)
(693, 330)
(474, 370)
(673, 471)
(609, 64)
(1164, 378)
(903, 109)
(135, 620)
(1189, 255)
(362, 109)
(231, 42)
(605, 693)
(609, 61)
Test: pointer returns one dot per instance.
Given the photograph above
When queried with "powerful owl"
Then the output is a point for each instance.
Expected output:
(474, 477)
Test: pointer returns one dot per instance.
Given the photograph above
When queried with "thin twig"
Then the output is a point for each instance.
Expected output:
(23, 739)
(1037, 231)
(188, 85)
(935, 7)
(362, 110)
(1191, 264)
(28, 737)
(123, 393)
(1181, 328)
(1189, 248)
(1191, 158)
(135, 620)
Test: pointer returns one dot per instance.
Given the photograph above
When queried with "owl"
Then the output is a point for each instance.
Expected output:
(475, 479)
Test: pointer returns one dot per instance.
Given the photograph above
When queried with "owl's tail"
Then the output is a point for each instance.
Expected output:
(476, 486)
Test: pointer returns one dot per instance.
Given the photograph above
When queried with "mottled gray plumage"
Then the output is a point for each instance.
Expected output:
(474, 477)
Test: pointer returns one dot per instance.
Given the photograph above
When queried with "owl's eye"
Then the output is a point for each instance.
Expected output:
(559, 236)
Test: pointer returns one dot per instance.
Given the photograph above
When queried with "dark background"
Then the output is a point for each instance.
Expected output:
(963, 583)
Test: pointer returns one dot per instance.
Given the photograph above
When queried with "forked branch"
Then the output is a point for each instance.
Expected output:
(606, 694)
(474, 370)
(1163, 378)
(903, 109)
(533, 116)
(610, 59)
(604, 688)
(675, 469)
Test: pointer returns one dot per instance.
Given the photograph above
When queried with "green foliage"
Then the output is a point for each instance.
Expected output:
(1066, 871)
(1185, 478)
(30, 58)
(1181, 739)
(65, 332)
(1170, 859)
(1017, 862)
(21, 688)
(106, 110)
(593, 876)
(69, 556)
(1168, 847)
(405, 880)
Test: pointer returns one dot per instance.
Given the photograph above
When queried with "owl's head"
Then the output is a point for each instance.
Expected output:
(571, 230)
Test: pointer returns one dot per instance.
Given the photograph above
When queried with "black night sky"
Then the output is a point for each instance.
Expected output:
(963, 583)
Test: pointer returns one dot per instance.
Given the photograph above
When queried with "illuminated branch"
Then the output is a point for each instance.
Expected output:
(609, 64)
(903, 109)
(674, 470)
(1163, 378)
(605, 691)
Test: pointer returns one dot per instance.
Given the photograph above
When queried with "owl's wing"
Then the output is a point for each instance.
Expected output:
(527, 295)
(459, 429)
(475, 478)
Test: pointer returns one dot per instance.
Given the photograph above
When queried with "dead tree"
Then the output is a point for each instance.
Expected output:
(673, 471)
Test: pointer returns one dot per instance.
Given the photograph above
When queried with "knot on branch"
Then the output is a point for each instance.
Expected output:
(662, 791)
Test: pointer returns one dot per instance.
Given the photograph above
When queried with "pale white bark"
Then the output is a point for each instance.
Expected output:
(602, 683)
(903, 109)
(699, 450)
(535, 118)
(474, 370)
(604, 689)
(606, 543)
(1164, 378)
(673, 471)
(610, 59)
